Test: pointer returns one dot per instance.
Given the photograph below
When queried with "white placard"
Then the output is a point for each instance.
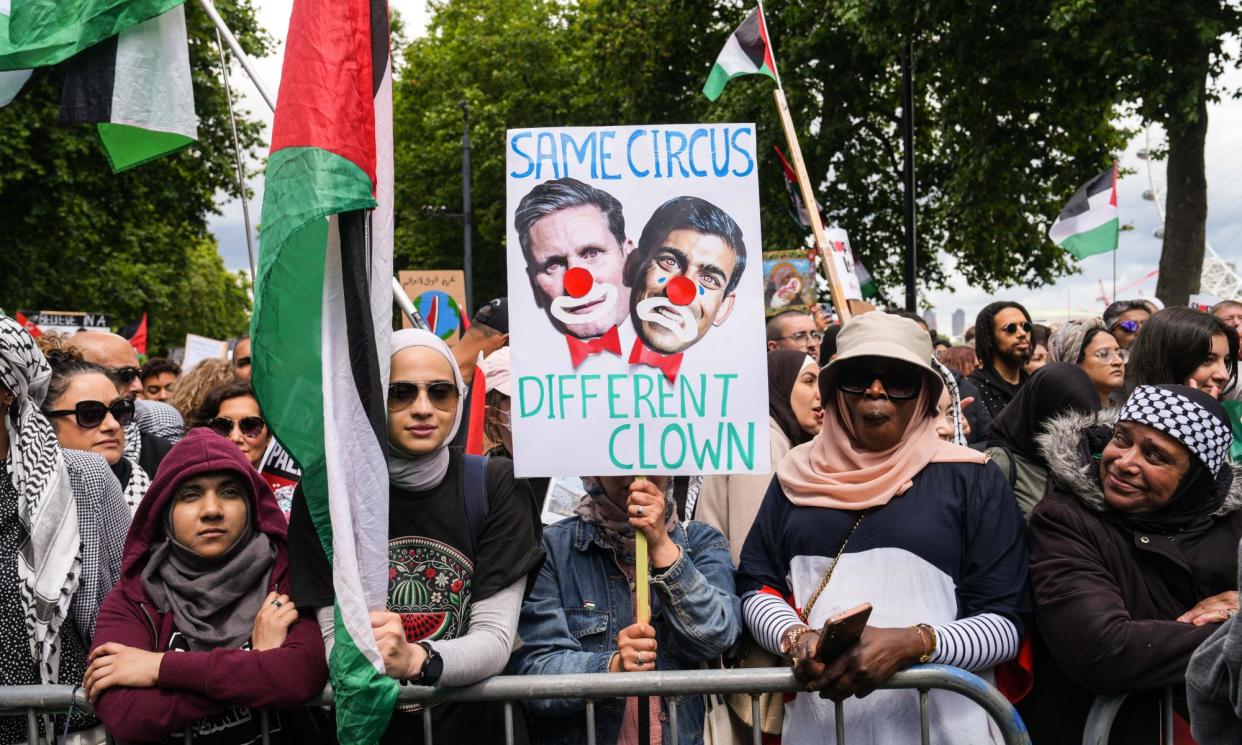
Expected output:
(843, 257)
(199, 348)
(636, 301)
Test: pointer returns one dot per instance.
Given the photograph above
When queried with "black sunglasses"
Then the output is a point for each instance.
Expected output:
(251, 426)
(900, 383)
(1130, 327)
(124, 375)
(241, 362)
(91, 414)
(1012, 328)
(441, 393)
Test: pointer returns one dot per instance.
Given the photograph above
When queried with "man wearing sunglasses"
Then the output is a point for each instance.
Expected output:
(1004, 341)
(1123, 319)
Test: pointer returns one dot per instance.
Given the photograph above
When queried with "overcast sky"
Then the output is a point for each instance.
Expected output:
(1138, 255)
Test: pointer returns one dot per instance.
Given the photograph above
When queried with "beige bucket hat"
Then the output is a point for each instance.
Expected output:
(879, 334)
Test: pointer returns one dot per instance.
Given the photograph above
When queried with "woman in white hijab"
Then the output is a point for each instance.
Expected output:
(462, 540)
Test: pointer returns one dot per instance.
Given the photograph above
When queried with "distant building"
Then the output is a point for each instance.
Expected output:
(929, 317)
(959, 322)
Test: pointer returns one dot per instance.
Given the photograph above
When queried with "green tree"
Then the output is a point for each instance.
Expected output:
(74, 236)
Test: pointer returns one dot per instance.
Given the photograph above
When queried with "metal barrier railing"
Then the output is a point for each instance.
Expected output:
(32, 700)
(1104, 711)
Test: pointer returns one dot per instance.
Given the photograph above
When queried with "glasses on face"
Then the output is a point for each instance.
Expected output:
(441, 393)
(900, 383)
(1130, 327)
(1012, 328)
(1106, 355)
(250, 426)
(124, 375)
(241, 362)
(802, 336)
(91, 414)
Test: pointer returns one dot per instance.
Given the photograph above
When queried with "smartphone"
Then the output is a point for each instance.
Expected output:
(841, 632)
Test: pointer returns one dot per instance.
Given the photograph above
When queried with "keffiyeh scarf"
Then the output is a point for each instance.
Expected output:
(49, 560)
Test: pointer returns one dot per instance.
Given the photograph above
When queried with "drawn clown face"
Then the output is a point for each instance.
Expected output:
(680, 290)
(577, 269)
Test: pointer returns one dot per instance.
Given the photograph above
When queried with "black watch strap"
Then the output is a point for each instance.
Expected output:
(433, 666)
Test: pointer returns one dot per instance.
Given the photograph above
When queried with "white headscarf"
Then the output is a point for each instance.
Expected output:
(50, 566)
(423, 472)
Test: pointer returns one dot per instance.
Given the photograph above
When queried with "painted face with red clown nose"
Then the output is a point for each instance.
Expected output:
(573, 238)
(684, 274)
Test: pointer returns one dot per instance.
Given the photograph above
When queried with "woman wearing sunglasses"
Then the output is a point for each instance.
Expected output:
(878, 509)
(232, 411)
(1181, 346)
(462, 539)
(89, 412)
(1090, 346)
(68, 510)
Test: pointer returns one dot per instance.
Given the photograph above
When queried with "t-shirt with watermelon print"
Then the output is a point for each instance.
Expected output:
(434, 576)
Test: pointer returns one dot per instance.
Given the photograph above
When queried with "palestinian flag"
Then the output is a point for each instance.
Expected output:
(11, 81)
(866, 283)
(747, 52)
(797, 208)
(322, 318)
(38, 33)
(135, 87)
(1089, 224)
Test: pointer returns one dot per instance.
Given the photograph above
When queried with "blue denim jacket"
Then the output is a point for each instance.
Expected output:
(581, 600)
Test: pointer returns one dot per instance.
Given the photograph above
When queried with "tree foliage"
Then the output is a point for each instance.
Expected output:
(74, 236)
(1010, 118)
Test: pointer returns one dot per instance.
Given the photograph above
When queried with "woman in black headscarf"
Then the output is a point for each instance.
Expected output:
(1053, 390)
(1133, 557)
(730, 503)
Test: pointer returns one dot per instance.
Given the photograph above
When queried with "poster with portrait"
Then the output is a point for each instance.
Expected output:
(788, 281)
(439, 295)
(636, 301)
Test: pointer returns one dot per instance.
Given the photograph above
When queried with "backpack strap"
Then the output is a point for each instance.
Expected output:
(474, 483)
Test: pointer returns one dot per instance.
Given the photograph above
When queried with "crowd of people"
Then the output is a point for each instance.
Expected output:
(1053, 509)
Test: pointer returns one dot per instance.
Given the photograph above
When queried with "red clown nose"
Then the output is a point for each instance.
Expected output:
(680, 291)
(578, 282)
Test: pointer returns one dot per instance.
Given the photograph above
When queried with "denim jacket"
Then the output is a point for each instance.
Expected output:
(581, 600)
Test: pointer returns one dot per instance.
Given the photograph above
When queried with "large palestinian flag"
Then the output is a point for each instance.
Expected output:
(1089, 223)
(323, 314)
(135, 88)
(38, 33)
(747, 52)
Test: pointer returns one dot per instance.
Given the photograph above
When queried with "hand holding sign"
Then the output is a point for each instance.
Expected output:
(646, 510)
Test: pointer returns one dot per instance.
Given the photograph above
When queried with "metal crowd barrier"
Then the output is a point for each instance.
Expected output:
(31, 700)
(1104, 711)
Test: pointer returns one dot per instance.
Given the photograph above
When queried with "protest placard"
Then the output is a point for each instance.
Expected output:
(789, 280)
(843, 257)
(636, 300)
(199, 348)
(440, 297)
(68, 322)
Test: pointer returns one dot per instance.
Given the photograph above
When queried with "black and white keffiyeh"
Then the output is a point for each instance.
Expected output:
(1207, 434)
(49, 560)
(955, 401)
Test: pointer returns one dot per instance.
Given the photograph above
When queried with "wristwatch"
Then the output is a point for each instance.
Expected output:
(433, 666)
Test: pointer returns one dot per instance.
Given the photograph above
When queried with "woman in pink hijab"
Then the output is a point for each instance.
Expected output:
(878, 509)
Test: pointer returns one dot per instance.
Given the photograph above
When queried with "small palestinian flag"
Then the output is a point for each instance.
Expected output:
(866, 283)
(747, 52)
(797, 209)
(135, 88)
(1089, 224)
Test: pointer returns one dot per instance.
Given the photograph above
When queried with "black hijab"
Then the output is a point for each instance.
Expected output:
(1053, 390)
(784, 365)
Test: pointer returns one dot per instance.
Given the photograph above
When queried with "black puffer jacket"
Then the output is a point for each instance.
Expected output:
(1107, 597)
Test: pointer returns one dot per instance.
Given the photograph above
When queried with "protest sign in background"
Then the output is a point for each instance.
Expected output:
(68, 321)
(843, 257)
(439, 296)
(788, 281)
(199, 348)
(636, 300)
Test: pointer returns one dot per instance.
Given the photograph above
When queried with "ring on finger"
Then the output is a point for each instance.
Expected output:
(277, 603)
(640, 510)
(638, 660)
(1230, 612)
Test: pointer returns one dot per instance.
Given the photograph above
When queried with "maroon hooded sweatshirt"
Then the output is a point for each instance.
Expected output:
(193, 685)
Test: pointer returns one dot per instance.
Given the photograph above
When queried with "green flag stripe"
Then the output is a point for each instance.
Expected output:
(128, 146)
(1098, 240)
(719, 77)
(38, 33)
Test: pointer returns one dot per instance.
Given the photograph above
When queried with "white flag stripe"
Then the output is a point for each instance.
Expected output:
(152, 87)
(733, 59)
(11, 82)
(1089, 220)
(357, 490)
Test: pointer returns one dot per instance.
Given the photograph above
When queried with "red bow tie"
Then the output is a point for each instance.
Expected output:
(668, 364)
(579, 350)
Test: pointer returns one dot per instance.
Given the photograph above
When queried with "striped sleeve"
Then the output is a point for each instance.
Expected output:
(768, 617)
(975, 643)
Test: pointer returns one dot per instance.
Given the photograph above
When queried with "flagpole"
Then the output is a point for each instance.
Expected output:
(835, 287)
(241, 174)
(399, 296)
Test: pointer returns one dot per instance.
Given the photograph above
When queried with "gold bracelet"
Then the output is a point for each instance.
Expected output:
(930, 650)
(791, 637)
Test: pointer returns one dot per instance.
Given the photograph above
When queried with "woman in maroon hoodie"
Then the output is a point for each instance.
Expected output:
(197, 631)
